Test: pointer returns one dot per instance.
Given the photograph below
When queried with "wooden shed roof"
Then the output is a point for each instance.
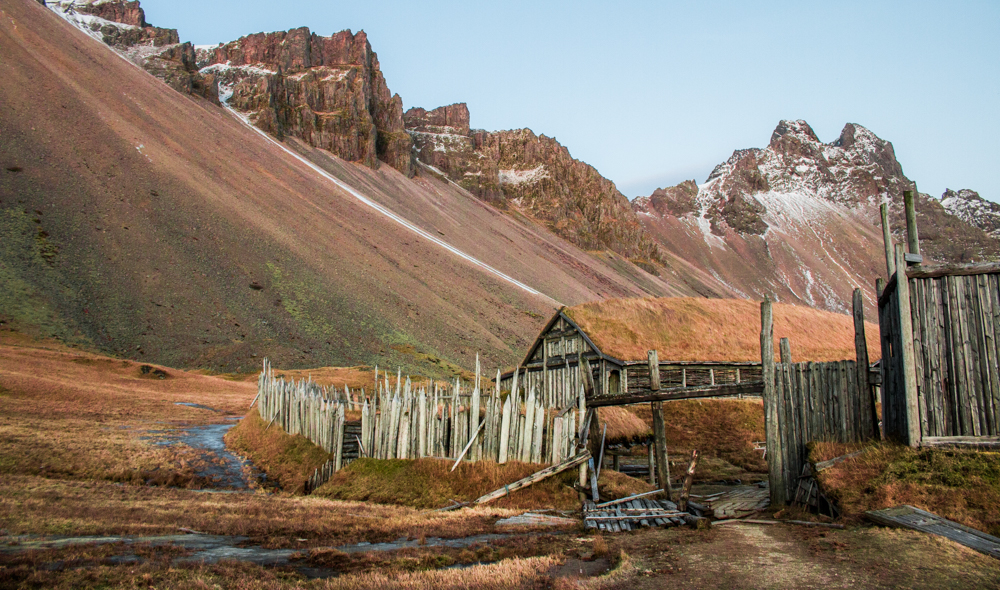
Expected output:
(721, 330)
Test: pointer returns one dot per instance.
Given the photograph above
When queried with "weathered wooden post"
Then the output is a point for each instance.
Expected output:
(907, 354)
(890, 261)
(659, 428)
(775, 453)
(682, 502)
(912, 237)
(861, 352)
(474, 415)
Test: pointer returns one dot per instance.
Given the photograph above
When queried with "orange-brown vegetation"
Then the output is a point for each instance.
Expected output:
(72, 414)
(91, 568)
(718, 428)
(624, 426)
(287, 459)
(961, 485)
(697, 329)
(40, 506)
(429, 483)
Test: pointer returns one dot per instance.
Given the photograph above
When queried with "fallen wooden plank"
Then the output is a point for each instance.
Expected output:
(628, 498)
(831, 462)
(531, 519)
(927, 522)
(981, 442)
(536, 477)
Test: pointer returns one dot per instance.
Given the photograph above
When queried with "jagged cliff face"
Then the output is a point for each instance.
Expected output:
(798, 220)
(326, 91)
(123, 25)
(534, 175)
(968, 206)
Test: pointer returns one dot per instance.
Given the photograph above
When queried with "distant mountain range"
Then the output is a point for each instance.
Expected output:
(157, 224)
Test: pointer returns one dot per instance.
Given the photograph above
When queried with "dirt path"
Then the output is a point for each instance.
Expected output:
(743, 556)
(760, 556)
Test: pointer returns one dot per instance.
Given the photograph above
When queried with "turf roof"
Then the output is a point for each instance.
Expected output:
(725, 330)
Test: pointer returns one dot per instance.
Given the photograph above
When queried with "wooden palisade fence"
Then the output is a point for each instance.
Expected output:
(402, 421)
(940, 327)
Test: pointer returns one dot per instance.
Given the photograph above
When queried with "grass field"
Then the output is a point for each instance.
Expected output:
(76, 454)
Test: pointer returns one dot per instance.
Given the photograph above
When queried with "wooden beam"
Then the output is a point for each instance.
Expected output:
(909, 367)
(660, 435)
(677, 393)
(536, 477)
(984, 442)
(775, 469)
(912, 238)
(933, 271)
(890, 261)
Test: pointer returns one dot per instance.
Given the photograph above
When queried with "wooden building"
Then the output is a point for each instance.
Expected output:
(699, 342)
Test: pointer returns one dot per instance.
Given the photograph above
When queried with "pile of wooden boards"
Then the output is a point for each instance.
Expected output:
(735, 502)
(627, 516)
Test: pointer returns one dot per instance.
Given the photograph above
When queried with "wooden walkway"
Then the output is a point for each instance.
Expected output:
(928, 522)
(736, 502)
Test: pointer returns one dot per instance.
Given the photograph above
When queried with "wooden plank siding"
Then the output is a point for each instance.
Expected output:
(955, 319)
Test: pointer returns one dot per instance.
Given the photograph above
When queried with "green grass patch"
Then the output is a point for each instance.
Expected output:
(961, 485)
(286, 459)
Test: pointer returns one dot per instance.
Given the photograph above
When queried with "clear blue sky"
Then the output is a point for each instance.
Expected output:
(653, 93)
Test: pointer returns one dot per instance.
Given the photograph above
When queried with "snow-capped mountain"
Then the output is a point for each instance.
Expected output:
(968, 206)
(798, 220)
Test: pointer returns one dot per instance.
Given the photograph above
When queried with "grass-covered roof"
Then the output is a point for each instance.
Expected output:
(725, 330)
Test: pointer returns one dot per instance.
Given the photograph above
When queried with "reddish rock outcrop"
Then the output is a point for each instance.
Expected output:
(534, 174)
(123, 26)
(327, 91)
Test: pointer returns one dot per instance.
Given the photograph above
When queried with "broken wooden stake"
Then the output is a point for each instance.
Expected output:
(688, 480)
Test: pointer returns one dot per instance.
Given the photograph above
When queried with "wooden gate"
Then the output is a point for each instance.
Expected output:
(806, 402)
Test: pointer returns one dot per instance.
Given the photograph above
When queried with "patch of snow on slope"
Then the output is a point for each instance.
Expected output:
(255, 70)
(516, 177)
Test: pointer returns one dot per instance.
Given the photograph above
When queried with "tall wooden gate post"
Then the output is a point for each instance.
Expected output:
(659, 428)
(776, 475)
(908, 355)
(861, 352)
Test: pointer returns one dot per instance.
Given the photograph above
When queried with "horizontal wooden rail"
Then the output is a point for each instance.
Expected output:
(983, 442)
(932, 271)
(676, 393)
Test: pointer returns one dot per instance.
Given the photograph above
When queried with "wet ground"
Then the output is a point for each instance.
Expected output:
(215, 464)
(209, 549)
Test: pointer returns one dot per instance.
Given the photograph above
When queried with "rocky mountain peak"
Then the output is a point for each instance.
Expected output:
(794, 129)
(123, 26)
(448, 119)
(968, 206)
(327, 91)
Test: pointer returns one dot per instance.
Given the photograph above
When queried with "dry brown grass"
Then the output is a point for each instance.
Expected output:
(960, 485)
(288, 460)
(429, 483)
(91, 568)
(696, 329)
(717, 428)
(77, 415)
(35, 505)
(624, 426)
